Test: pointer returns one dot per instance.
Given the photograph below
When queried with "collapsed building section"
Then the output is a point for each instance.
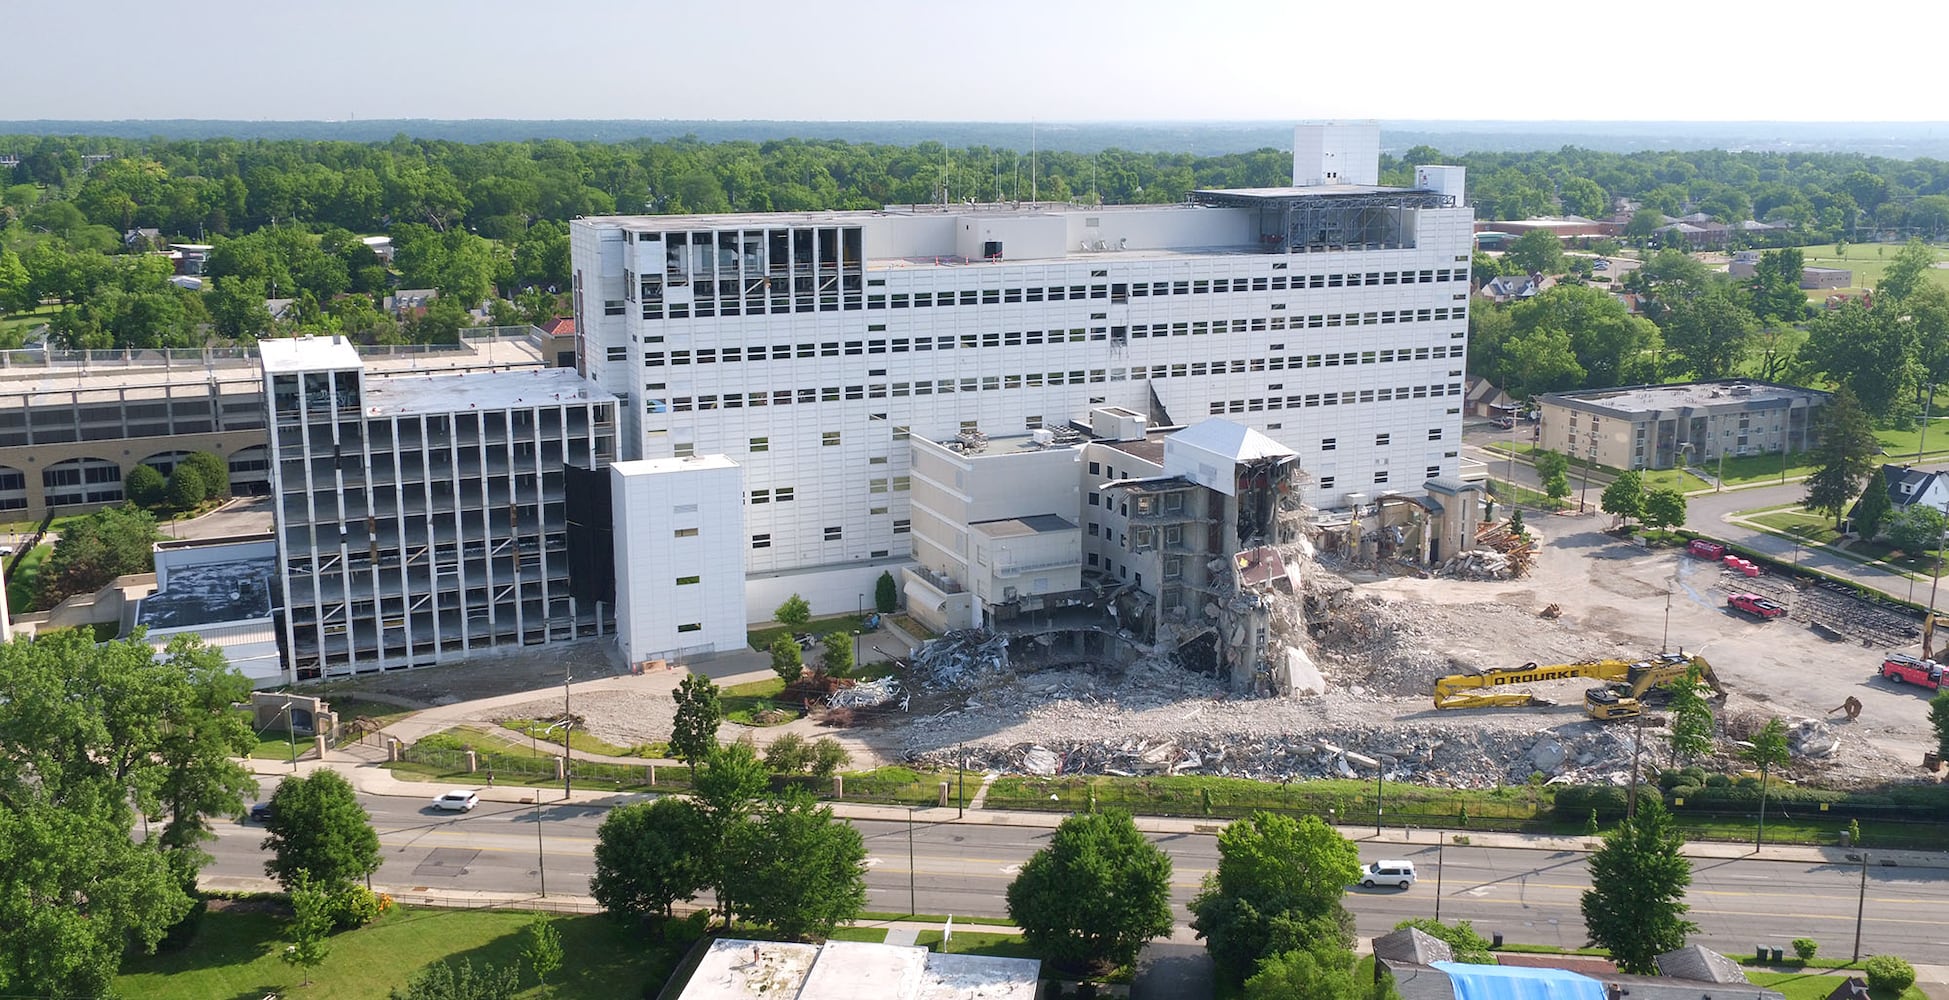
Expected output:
(1109, 540)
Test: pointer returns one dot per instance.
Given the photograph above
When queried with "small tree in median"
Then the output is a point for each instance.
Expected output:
(1624, 498)
(1635, 906)
(794, 613)
(693, 734)
(1095, 894)
(786, 660)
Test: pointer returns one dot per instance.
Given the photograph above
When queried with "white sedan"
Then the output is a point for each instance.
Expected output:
(458, 800)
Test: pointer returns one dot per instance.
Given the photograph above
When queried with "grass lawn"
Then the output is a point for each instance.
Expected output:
(743, 703)
(579, 740)
(21, 584)
(1815, 986)
(871, 935)
(1818, 529)
(818, 627)
(236, 954)
(1901, 446)
(383, 713)
(977, 943)
(1516, 493)
(1509, 808)
(15, 326)
(1868, 262)
(1678, 479)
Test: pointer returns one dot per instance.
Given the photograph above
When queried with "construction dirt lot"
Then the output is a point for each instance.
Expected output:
(1379, 642)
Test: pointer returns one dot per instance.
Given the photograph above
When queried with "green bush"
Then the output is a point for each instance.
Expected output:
(826, 755)
(1608, 802)
(1805, 948)
(1888, 975)
(144, 486)
(186, 487)
(355, 906)
(1717, 781)
(788, 754)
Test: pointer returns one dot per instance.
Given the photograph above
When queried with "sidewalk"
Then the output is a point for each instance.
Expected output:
(372, 779)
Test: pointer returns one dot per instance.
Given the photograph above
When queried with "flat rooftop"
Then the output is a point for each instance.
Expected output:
(1728, 393)
(398, 395)
(852, 970)
(661, 466)
(307, 354)
(1017, 527)
(211, 594)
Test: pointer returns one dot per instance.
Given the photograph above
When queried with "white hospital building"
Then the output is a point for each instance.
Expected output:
(810, 349)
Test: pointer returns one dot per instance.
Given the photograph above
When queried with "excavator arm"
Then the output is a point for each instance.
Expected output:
(1492, 688)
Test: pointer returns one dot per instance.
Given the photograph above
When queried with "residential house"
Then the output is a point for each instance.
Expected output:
(1909, 486)
(1484, 399)
(1513, 288)
(408, 303)
(142, 239)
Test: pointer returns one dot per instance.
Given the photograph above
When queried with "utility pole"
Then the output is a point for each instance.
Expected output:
(568, 738)
(541, 864)
(961, 786)
(1441, 847)
(1378, 770)
(913, 899)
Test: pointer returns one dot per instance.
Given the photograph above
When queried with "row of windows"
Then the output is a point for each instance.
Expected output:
(1030, 380)
(1346, 398)
(1031, 338)
(834, 533)
(1120, 290)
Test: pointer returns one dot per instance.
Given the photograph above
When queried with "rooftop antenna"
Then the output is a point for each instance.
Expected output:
(944, 176)
(1032, 187)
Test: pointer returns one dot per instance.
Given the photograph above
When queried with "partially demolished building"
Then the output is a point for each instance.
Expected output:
(1108, 539)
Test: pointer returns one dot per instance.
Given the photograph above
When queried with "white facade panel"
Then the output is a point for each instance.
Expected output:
(679, 544)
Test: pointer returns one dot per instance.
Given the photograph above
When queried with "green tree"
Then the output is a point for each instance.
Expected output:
(1769, 750)
(1844, 457)
(318, 829)
(1536, 252)
(786, 660)
(794, 613)
(788, 754)
(1915, 529)
(1691, 718)
(826, 756)
(311, 922)
(793, 868)
(1320, 969)
(1873, 507)
(543, 949)
(1905, 274)
(1635, 906)
(649, 857)
(14, 283)
(1777, 295)
(1469, 947)
(1712, 332)
(1939, 721)
(1663, 508)
(836, 657)
(186, 487)
(729, 784)
(693, 734)
(144, 486)
(94, 550)
(237, 309)
(1556, 487)
(1869, 352)
(1279, 883)
(214, 471)
(886, 594)
(1542, 360)
(1095, 894)
(1550, 463)
(1644, 222)
(1624, 497)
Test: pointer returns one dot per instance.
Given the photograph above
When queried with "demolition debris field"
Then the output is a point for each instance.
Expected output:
(1378, 642)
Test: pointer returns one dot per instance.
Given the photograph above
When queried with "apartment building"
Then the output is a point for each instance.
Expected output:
(422, 517)
(1663, 426)
(811, 348)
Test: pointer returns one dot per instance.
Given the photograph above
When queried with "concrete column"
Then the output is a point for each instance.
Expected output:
(560, 769)
(944, 794)
(319, 741)
(395, 750)
(838, 786)
(473, 762)
(652, 769)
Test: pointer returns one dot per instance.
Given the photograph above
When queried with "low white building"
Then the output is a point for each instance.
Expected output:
(679, 552)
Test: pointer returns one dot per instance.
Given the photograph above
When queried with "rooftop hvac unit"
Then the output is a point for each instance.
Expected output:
(1043, 437)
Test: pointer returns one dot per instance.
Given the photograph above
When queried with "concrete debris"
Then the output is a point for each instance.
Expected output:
(1458, 756)
(867, 694)
(961, 660)
(1479, 564)
(1811, 738)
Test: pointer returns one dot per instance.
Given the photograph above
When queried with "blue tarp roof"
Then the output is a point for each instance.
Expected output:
(1506, 982)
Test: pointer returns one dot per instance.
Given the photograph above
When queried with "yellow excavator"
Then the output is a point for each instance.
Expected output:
(1627, 684)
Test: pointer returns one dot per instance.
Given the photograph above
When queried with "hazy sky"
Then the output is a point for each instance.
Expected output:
(985, 60)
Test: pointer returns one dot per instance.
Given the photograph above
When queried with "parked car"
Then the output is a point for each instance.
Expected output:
(1601, 265)
(1395, 873)
(260, 811)
(457, 800)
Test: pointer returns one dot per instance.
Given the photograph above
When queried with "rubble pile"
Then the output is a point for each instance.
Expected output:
(961, 660)
(867, 694)
(1479, 564)
(1456, 756)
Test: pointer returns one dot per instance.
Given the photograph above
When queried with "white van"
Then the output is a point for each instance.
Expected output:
(1396, 873)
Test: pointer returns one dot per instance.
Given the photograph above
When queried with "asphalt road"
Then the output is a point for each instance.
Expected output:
(1527, 895)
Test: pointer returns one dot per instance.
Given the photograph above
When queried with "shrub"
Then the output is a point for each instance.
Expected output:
(1805, 948)
(355, 905)
(793, 613)
(1888, 974)
(213, 470)
(1717, 781)
(827, 756)
(186, 487)
(1609, 802)
(144, 486)
(788, 754)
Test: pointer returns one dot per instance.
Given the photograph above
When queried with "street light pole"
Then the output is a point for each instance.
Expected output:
(1441, 847)
(1759, 835)
(913, 900)
(1860, 905)
(541, 863)
(961, 786)
(568, 738)
(1378, 769)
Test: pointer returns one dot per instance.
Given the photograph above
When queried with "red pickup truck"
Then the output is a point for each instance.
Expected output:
(1904, 669)
(1762, 608)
